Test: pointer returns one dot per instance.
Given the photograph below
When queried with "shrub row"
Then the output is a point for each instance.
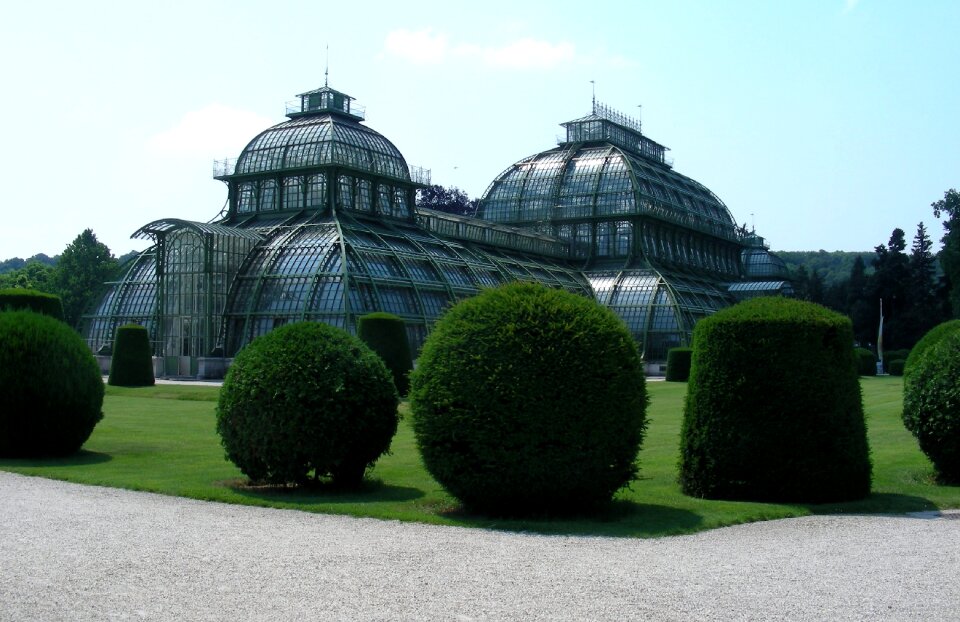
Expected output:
(27, 299)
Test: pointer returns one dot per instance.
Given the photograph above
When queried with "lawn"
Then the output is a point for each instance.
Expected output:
(162, 439)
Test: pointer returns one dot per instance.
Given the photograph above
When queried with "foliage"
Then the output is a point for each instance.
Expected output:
(33, 275)
(51, 387)
(773, 408)
(163, 439)
(678, 364)
(39, 302)
(866, 362)
(892, 355)
(450, 200)
(306, 398)
(16, 263)
(931, 405)
(132, 362)
(84, 266)
(948, 208)
(833, 267)
(931, 338)
(386, 335)
(895, 367)
(529, 400)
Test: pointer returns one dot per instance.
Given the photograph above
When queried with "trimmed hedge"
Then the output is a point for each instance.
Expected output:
(895, 367)
(678, 364)
(773, 410)
(529, 400)
(51, 387)
(307, 399)
(931, 405)
(132, 362)
(931, 338)
(889, 356)
(386, 335)
(28, 299)
(866, 362)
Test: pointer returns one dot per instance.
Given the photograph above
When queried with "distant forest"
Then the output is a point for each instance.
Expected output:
(834, 267)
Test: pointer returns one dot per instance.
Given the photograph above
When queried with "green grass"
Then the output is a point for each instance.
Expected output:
(162, 439)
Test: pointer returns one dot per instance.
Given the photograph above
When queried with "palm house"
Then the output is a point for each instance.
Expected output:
(321, 224)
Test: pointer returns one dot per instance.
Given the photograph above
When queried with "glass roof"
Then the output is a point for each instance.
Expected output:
(601, 180)
(318, 140)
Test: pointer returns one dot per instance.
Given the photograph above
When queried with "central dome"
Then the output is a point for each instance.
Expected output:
(319, 136)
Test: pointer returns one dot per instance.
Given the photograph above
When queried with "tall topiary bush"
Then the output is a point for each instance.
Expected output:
(773, 410)
(678, 364)
(132, 362)
(866, 362)
(931, 338)
(51, 388)
(306, 400)
(386, 335)
(931, 405)
(41, 302)
(529, 400)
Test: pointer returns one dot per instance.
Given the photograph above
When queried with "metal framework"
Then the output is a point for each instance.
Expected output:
(321, 224)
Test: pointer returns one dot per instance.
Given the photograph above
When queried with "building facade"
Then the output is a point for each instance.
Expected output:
(321, 224)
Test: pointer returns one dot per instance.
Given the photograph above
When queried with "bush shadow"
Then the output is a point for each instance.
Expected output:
(619, 518)
(324, 492)
(80, 458)
(876, 503)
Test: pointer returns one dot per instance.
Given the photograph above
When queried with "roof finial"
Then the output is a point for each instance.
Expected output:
(593, 90)
(326, 70)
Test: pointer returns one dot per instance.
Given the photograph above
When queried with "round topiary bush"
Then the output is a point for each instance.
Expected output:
(306, 398)
(29, 299)
(132, 362)
(678, 364)
(931, 338)
(529, 400)
(773, 410)
(931, 405)
(866, 362)
(895, 367)
(51, 387)
(386, 335)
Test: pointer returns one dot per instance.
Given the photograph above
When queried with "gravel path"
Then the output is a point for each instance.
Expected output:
(70, 552)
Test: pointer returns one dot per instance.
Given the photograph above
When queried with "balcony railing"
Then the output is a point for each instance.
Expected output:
(420, 175)
(224, 167)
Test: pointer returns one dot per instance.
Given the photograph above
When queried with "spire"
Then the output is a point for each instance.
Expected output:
(326, 69)
(593, 91)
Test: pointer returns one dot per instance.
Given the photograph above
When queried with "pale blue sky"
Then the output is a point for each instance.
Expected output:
(825, 123)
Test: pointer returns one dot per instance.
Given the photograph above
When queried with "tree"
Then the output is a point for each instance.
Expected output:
(948, 208)
(450, 200)
(85, 265)
(34, 275)
(889, 283)
(923, 310)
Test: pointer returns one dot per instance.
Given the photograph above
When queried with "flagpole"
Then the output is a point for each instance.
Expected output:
(880, 339)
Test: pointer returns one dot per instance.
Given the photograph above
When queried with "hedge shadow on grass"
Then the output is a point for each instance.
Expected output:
(647, 520)
(876, 503)
(80, 458)
(370, 491)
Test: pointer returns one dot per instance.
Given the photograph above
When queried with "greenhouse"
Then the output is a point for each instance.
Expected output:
(321, 224)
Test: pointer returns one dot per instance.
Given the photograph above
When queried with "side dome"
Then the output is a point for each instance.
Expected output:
(604, 169)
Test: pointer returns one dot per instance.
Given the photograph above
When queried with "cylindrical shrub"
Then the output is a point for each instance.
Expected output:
(678, 364)
(866, 362)
(931, 338)
(41, 302)
(895, 367)
(386, 335)
(773, 409)
(132, 363)
(306, 399)
(51, 388)
(529, 400)
(891, 355)
(931, 405)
